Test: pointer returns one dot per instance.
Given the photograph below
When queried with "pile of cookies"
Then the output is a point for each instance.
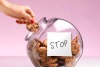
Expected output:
(56, 61)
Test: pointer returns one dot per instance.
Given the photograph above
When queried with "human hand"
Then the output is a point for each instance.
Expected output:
(18, 12)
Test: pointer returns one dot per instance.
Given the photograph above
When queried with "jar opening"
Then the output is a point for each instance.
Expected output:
(28, 36)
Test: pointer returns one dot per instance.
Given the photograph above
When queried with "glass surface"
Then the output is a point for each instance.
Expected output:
(37, 44)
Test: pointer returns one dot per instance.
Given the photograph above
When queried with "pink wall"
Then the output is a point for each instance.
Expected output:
(84, 14)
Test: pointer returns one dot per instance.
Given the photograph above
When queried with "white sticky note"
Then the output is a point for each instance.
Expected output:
(59, 44)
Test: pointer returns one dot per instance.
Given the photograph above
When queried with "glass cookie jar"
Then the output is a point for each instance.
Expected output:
(38, 46)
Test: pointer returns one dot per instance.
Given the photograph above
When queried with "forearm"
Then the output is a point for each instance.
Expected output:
(4, 5)
(1, 1)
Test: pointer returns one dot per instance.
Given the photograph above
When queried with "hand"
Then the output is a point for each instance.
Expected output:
(17, 11)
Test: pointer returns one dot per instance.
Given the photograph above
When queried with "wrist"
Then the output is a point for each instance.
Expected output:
(4, 5)
(1, 1)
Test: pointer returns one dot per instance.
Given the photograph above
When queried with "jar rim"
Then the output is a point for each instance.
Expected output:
(28, 36)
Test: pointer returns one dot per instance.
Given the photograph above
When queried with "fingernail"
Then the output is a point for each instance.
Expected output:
(21, 22)
(17, 21)
(32, 21)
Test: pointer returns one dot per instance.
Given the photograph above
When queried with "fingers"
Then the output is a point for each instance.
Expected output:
(29, 14)
(21, 21)
(24, 21)
(29, 11)
(26, 16)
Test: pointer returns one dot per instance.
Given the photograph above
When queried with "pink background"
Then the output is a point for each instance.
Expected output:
(84, 14)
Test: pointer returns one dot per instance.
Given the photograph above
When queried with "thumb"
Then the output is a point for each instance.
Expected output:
(27, 16)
